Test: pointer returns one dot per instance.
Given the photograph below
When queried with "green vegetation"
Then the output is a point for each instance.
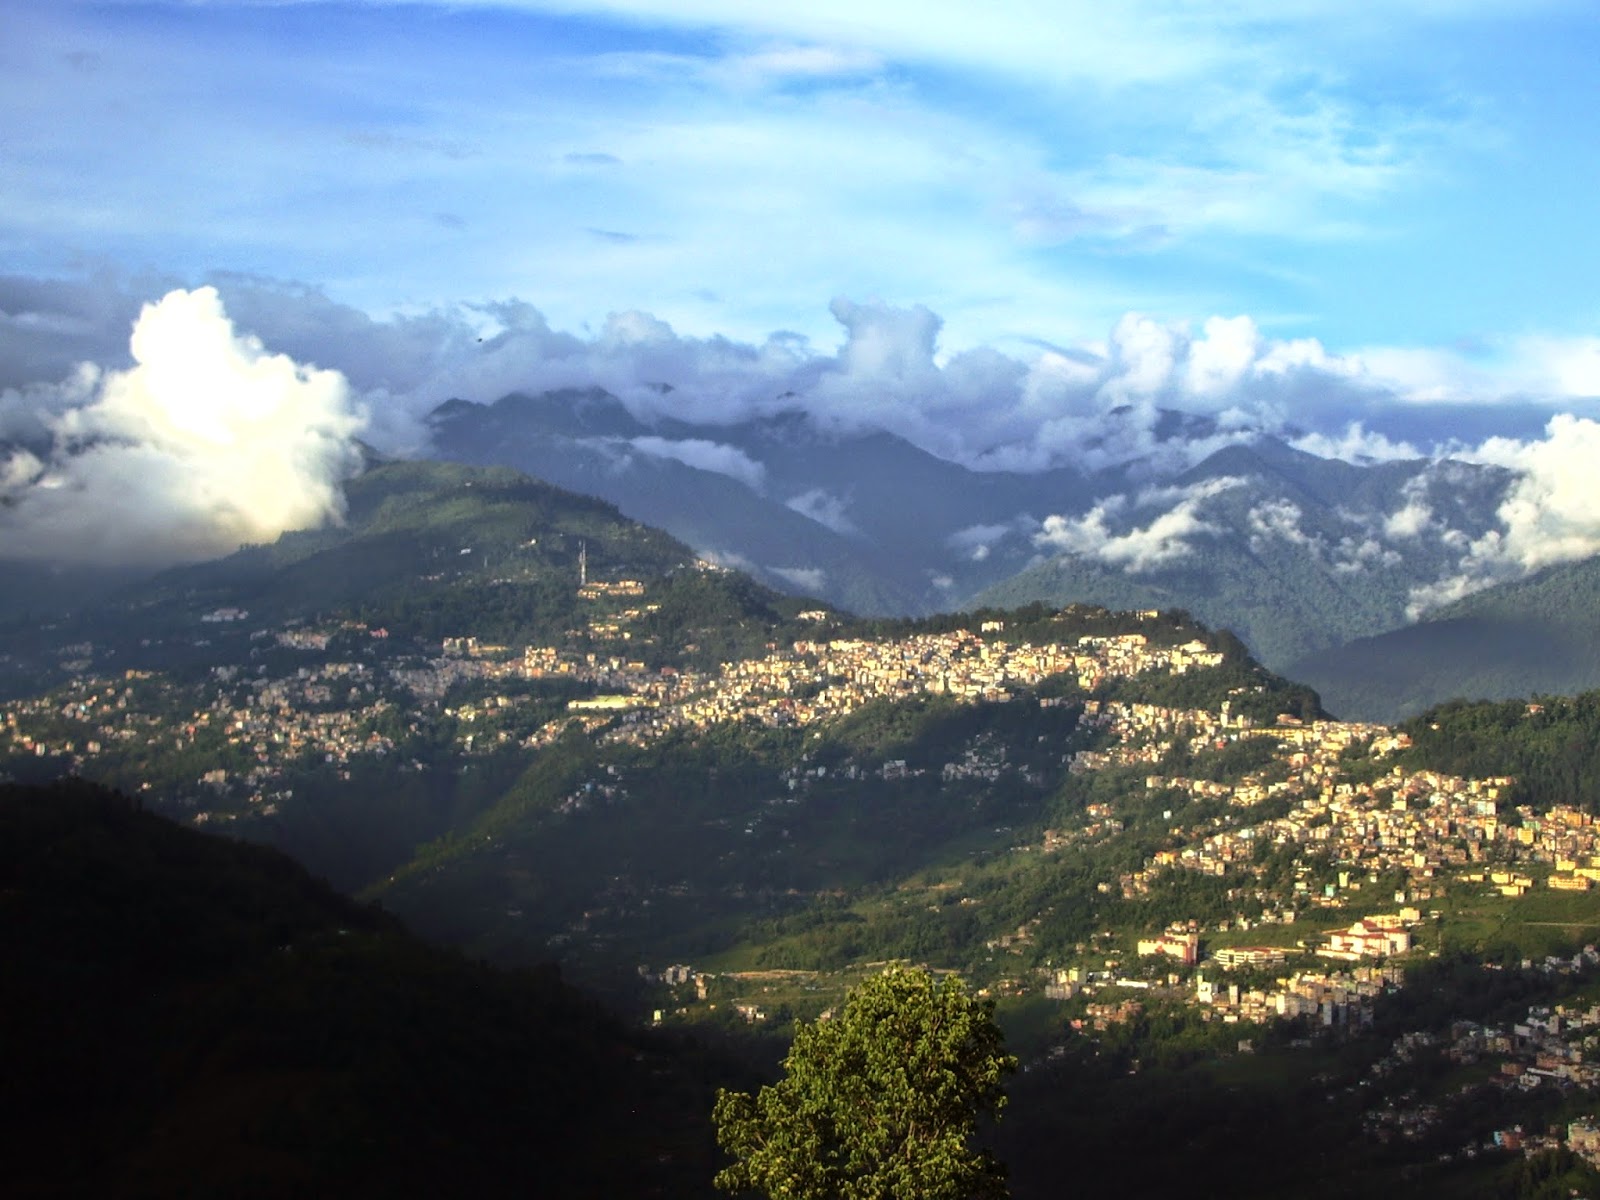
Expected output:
(1551, 745)
(777, 832)
(1273, 592)
(427, 551)
(1535, 635)
(882, 1102)
(1239, 682)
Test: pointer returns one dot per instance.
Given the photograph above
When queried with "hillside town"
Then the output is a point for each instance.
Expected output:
(252, 724)
(333, 711)
(1333, 856)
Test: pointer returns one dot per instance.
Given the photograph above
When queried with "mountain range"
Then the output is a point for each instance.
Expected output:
(1323, 567)
(1294, 552)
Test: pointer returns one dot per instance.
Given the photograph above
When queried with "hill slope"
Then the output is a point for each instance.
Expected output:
(1535, 635)
(187, 1016)
(427, 550)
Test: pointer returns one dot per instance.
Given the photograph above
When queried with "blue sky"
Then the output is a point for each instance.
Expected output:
(995, 230)
(1417, 179)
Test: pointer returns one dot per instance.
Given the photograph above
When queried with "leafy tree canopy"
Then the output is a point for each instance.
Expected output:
(880, 1103)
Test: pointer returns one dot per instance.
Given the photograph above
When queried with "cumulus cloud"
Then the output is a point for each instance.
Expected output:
(1277, 519)
(1356, 444)
(1107, 534)
(1089, 405)
(207, 441)
(1550, 514)
(1414, 516)
(1355, 554)
(705, 455)
(1280, 519)
(1219, 359)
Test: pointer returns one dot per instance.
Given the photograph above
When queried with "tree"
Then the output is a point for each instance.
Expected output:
(880, 1103)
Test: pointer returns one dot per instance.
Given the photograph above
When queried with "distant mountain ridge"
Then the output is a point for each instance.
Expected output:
(865, 518)
(1294, 555)
(1295, 552)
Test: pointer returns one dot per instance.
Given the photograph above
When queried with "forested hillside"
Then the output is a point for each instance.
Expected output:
(1536, 635)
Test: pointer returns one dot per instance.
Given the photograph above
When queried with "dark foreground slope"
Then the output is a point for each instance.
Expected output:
(187, 1016)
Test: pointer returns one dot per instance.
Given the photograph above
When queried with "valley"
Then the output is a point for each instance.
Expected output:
(717, 807)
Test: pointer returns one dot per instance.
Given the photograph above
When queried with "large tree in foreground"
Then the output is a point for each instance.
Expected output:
(880, 1103)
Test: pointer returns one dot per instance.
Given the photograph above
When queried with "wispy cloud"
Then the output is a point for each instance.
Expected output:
(790, 153)
(705, 456)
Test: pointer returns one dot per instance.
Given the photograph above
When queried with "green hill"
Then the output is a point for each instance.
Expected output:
(1549, 744)
(1536, 635)
(741, 846)
(426, 551)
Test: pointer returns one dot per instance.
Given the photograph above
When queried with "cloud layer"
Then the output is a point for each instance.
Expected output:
(193, 438)
(1019, 169)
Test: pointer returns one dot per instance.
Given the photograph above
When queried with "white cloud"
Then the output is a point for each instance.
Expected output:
(706, 456)
(977, 542)
(1278, 519)
(1551, 513)
(207, 442)
(1356, 444)
(1568, 367)
(1085, 405)
(1354, 555)
(1221, 358)
(1137, 548)
(20, 469)
(799, 150)
(782, 64)
(1412, 518)
(826, 509)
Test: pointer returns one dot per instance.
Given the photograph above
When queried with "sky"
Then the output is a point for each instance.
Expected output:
(980, 226)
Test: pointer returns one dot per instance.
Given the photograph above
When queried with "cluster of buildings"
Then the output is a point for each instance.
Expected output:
(1331, 998)
(1419, 823)
(255, 727)
(1334, 999)
(1549, 1048)
(816, 681)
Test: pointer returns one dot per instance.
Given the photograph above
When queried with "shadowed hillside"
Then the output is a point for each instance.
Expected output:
(188, 1016)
